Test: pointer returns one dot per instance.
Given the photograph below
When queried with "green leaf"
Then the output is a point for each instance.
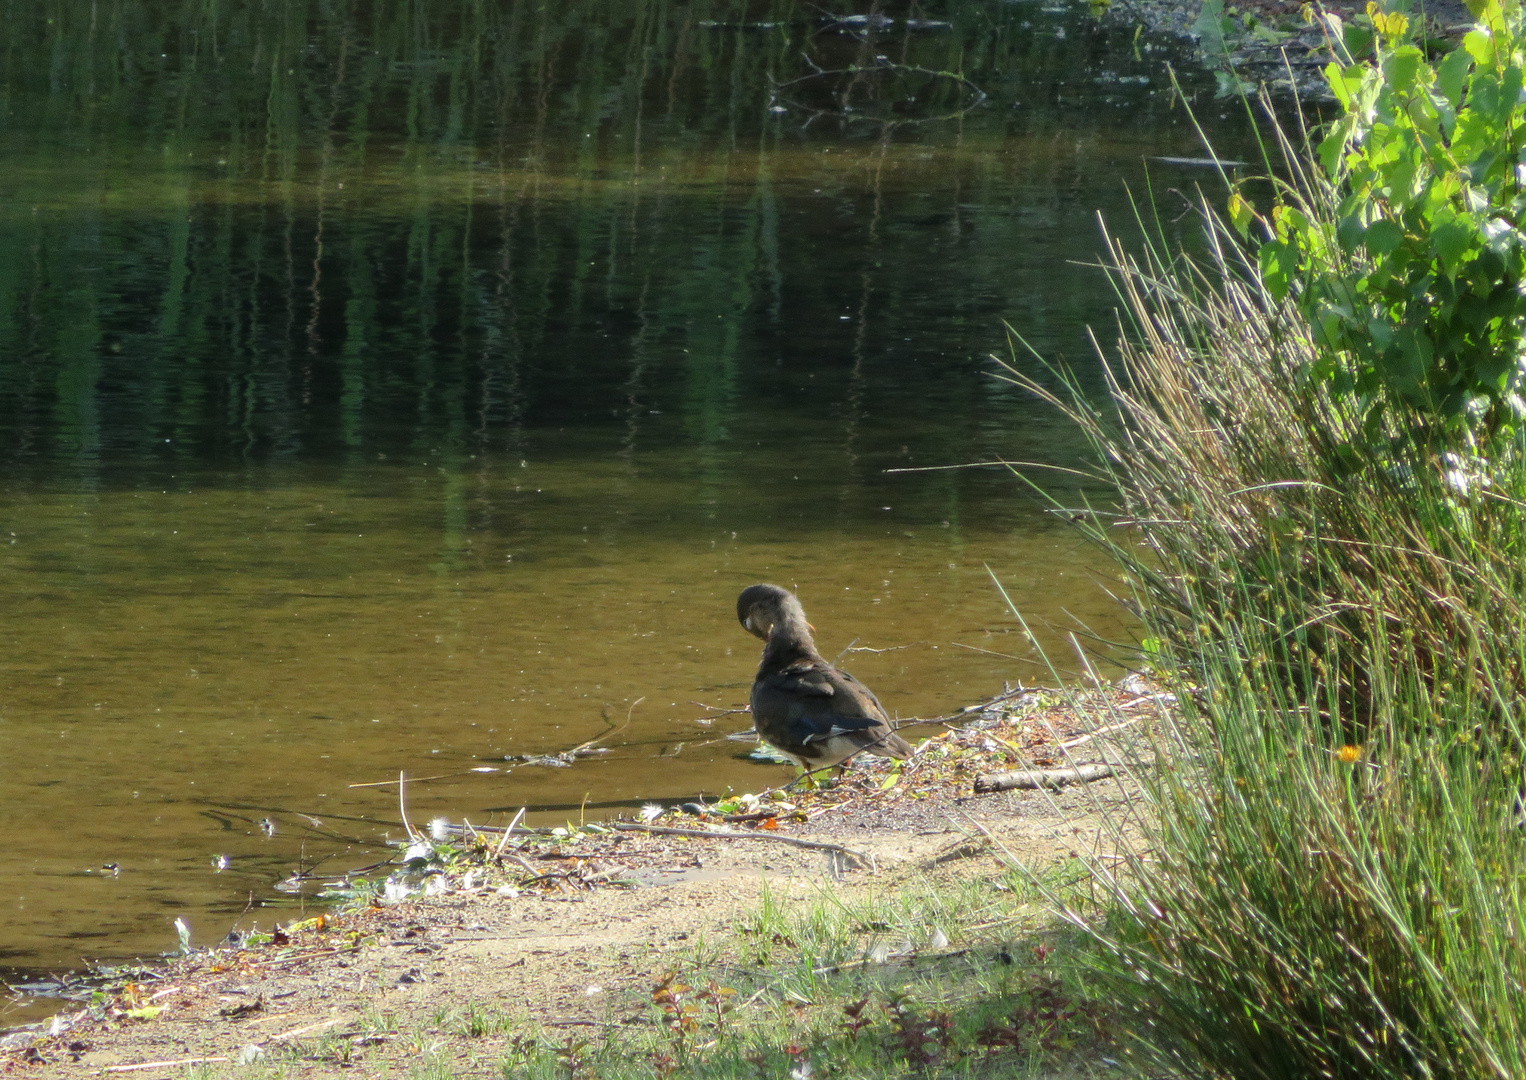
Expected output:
(1349, 232)
(1210, 28)
(1383, 237)
(1401, 67)
(1330, 151)
(1273, 259)
(1480, 47)
(1240, 214)
(1451, 73)
(1452, 239)
(1342, 82)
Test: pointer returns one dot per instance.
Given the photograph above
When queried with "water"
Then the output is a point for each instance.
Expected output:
(413, 390)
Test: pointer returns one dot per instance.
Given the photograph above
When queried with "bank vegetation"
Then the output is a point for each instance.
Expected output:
(1317, 433)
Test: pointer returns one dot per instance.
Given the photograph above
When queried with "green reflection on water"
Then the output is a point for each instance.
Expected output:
(393, 386)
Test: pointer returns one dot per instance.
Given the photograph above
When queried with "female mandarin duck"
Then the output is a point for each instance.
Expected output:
(802, 705)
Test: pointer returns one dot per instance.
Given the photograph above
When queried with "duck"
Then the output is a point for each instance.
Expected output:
(802, 706)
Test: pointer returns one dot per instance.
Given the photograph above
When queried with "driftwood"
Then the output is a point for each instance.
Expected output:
(717, 834)
(1041, 778)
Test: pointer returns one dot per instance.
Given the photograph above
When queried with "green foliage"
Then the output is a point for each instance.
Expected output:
(1325, 882)
(1414, 282)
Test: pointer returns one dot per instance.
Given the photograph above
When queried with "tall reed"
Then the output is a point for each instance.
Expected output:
(1325, 875)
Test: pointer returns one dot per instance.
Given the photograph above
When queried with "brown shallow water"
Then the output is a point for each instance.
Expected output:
(185, 664)
(413, 390)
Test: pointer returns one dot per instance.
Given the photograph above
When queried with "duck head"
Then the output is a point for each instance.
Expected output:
(761, 609)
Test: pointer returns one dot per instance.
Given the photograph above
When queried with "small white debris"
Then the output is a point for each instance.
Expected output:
(250, 1054)
(439, 828)
(939, 940)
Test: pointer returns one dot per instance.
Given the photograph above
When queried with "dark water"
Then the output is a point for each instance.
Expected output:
(399, 387)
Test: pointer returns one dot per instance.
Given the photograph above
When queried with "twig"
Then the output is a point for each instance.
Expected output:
(990, 652)
(284, 960)
(422, 779)
(709, 834)
(912, 953)
(614, 729)
(718, 711)
(517, 819)
(163, 1064)
(294, 1032)
(402, 805)
(1040, 778)
(1090, 735)
(947, 719)
(522, 861)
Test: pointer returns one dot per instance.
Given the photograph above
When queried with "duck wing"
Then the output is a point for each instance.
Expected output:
(810, 702)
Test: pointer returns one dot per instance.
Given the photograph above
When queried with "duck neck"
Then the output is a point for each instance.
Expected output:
(790, 638)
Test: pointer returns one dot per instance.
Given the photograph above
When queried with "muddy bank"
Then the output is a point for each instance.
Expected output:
(571, 928)
(1280, 44)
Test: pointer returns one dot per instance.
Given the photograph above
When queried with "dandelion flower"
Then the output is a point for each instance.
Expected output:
(1349, 754)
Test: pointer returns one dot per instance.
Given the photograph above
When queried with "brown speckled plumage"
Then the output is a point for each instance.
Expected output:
(801, 705)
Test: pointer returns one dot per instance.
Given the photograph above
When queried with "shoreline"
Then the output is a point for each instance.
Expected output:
(547, 914)
(1267, 43)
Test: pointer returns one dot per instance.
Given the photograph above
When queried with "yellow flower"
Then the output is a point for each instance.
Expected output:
(1349, 754)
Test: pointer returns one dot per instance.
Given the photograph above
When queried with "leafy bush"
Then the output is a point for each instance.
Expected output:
(1415, 286)
(1250, 495)
(1323, 875)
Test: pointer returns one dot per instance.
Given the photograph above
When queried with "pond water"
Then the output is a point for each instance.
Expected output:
(413, 387)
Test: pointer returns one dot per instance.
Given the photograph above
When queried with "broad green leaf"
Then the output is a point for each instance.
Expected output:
(1451, 74)
(1342, 82)
(1274, 274)
(1330, 151)
(1453, 239)
(1480, 47)
(1383, 237)
(1401, 67)
(1349, 232)
(1210, 28)
(1240, 214)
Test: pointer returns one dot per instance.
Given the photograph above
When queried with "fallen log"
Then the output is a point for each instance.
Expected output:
(1041, 778)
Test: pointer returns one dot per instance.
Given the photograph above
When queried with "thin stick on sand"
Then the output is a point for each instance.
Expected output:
(719, 834)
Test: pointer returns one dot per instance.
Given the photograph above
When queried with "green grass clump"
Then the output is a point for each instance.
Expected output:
(1305, 907)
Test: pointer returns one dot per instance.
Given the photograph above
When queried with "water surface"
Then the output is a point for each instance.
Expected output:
(414, 388)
